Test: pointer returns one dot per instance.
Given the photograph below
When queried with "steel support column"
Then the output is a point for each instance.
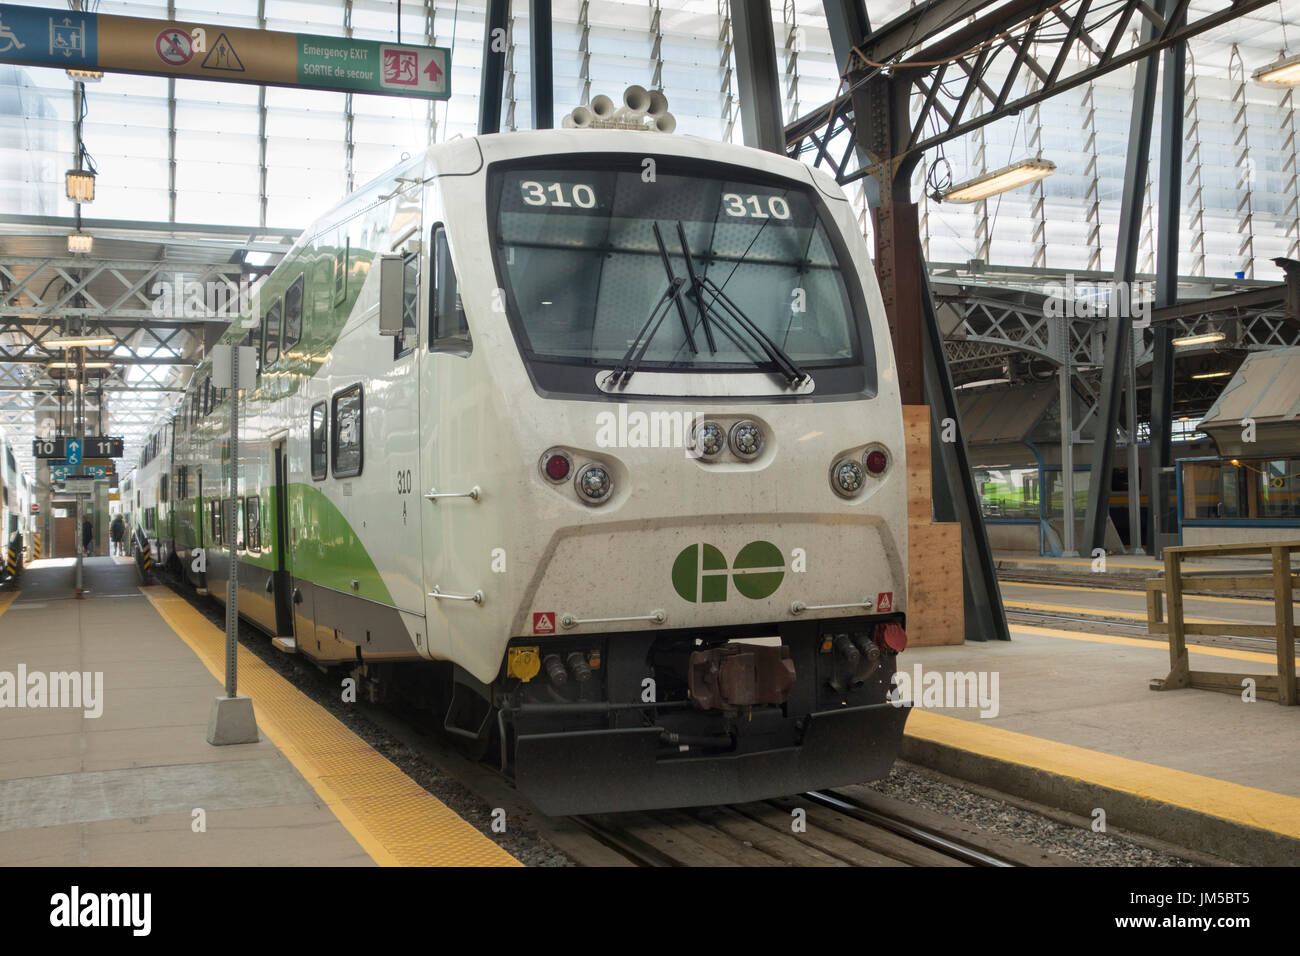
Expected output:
(493, 73)
(1119, 324)
(757, 76)
(847, 19)
(1160, 454)
(541, 63)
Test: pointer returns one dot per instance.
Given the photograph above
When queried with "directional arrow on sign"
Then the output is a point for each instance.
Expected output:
(74, 451)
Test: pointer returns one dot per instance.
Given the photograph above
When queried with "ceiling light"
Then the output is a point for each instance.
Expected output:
(1204, 338)
(85, 341)
(1283, 72)
(1200, 375)
(80, 185)
(79, 241)
(74, 365)
(85, 76)
(999, 181)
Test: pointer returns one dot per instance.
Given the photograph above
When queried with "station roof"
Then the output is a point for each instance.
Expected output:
(1266, 389)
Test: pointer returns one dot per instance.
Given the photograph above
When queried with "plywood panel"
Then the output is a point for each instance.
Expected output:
(935, 608)
(916, 432)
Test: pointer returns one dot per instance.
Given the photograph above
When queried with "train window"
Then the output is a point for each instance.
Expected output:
(341, 271)
(448, 328)
(319, 451)
(402, 344)
(293, 314)
(253, 523)
(162, 487)
(347, 432)
(209, 396)
(271, 335)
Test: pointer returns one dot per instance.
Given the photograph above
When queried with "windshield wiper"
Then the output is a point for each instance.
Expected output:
(635, 353)
(695, 281)
(730, 312)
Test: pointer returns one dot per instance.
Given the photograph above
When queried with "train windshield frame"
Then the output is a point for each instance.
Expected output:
(584, 275)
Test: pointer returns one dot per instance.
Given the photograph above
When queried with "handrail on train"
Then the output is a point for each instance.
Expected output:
(1282, 581)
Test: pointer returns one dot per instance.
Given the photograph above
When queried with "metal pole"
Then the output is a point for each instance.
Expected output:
(1069, 548)
(79, 428)
(542, 63)
(1134, 471)
(757, 79)
(232, 586)
(494, 65)
(1119, 324)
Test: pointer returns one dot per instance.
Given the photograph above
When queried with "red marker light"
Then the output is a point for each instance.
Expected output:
(876, 462)
(557, 467)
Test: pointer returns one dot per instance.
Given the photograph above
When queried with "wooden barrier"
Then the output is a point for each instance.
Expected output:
(935, 604)
(1281, 686)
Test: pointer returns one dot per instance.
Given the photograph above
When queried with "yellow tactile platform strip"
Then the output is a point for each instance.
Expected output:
(1263, 809)
(395, 820)
(1147, 643)
(7, 598)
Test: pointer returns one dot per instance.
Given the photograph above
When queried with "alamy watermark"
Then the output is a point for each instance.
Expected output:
(182, 297)
(946, 689)
(637, 429)
(37, 689)
(1088, 300)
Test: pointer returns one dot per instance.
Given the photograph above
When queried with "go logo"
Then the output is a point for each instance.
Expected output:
(700, 572)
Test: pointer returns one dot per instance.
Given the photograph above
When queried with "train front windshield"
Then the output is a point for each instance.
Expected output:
(589, 256)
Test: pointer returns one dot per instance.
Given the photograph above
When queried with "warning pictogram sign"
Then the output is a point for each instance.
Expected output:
(174, 47)
(885, 601)
(543, 622)
(222, 56)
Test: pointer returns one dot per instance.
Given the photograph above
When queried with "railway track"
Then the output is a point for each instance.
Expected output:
(833, 828)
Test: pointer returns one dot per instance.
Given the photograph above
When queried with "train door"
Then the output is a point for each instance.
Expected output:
(281, 580)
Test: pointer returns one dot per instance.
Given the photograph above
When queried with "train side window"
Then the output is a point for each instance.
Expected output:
(319, 449)
(402, 344)
(347, 432)
(448, 328)
(271, 335)
(162, 487)
(293, 314)
(253, 523)
(216, 508)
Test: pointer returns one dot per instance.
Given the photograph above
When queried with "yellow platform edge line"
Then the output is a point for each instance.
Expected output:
(1275, 812)
(1216, 598)
(7, 598)
(1146, 643)
(1116, 613)
(196, 631)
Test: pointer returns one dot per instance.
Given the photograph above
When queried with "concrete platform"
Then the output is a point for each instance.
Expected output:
(1076, 727)
(125, 786)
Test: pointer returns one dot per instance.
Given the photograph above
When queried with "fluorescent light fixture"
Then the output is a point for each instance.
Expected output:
(80, 185)
(85, 76)
(1184, 418)
(1204, 338)
(1201, 375)
(74, 365)
(999, 181)
(1283, 72)
(85, 341)
(80, 242)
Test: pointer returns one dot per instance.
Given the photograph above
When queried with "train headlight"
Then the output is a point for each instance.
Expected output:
(709, 440)
(876, 459)
(847, 477)
(746, 440)
(594, 484)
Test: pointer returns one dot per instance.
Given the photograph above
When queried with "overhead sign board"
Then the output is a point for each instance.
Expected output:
(73, 446)
(41, 36)
(79, 486)
(102, 446)
(99, 469)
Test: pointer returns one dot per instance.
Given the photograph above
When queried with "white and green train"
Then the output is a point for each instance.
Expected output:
(590, 441)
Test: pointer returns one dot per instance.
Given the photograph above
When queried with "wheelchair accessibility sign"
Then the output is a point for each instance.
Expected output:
(64, 38)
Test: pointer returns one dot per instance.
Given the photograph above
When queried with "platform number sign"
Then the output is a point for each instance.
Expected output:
(43, 448)
(102, 446)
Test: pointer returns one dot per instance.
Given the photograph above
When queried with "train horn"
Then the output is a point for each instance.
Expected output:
(665, 123)
(582, 117)
(602, 107)
(636, 99)
(658, 104)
